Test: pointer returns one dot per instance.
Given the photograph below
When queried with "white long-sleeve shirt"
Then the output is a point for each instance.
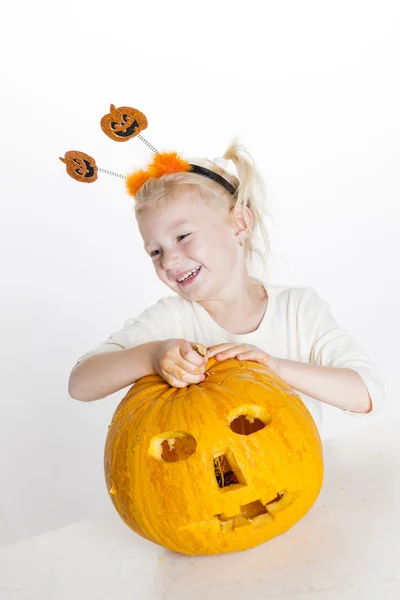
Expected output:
(297, 325)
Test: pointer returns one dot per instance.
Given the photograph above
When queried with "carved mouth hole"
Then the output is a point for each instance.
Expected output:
(253, 510)
(256, 513)
(224, 473)
(277, 498)
(250, 511)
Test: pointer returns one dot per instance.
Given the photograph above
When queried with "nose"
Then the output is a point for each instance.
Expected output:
(171, 258)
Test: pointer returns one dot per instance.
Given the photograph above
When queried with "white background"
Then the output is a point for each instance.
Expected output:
(311, 88)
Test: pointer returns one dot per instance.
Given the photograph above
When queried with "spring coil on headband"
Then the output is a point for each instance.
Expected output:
(142, 139)
(112, 173)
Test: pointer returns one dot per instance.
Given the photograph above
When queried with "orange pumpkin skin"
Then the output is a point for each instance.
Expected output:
(167, 447)
(123, 123)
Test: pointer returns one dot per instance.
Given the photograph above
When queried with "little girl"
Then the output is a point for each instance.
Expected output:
(198, 226)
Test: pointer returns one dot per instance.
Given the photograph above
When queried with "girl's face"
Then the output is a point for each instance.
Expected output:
(186, 234)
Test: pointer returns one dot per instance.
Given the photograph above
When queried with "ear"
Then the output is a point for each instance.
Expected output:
(238, 218)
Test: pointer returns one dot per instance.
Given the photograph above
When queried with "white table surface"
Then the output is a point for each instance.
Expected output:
(347, 546)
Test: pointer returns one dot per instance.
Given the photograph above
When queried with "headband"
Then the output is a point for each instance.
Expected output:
(122, 124)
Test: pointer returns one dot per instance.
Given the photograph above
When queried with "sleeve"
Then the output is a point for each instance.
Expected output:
(332, 346)
(157, 322)
(133, 333)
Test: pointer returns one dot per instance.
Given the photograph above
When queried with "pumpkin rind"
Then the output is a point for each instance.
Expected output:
(180, 504)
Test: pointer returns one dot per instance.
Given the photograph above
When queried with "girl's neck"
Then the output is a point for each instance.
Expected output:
(241, 313)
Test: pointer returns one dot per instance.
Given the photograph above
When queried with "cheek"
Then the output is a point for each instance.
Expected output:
(195, 247)
(160, 271)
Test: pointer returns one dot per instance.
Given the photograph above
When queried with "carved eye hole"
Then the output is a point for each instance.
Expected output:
(125, 118)
(114, 125)
(248, 419)
(172, 446)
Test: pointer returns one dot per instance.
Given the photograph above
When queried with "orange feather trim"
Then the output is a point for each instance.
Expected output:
(135, 181)
(167, 162)
(163, 164)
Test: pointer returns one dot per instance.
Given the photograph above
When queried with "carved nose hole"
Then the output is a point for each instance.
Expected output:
(227, 473)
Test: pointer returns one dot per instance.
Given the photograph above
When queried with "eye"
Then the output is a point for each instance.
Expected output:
(248, 419)
(125, 118)
(114, 125)
(172, 446)
(152, 254)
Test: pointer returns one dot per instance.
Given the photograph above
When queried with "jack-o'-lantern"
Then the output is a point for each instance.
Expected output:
(214, 467)
(80, 166)
(122, 124)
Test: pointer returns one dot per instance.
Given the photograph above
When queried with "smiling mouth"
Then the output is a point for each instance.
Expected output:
(131, 129)
(254, 513)
(192, 276)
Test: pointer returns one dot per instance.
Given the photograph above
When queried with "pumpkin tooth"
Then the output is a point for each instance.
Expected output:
(282, 501)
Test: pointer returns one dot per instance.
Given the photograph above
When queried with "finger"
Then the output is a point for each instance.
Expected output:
(171, 380)
(175, 370)
(186, 365)
(261, 358)
(183, 380)
(232, 352)
(182, 369)
(213, 350)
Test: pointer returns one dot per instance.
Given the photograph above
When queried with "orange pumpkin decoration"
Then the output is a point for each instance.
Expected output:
(214, 467)
(80, 166)
(124, 123)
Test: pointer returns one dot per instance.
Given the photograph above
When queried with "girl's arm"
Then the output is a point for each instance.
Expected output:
(343, 388)
(103, 374)
(333, 369)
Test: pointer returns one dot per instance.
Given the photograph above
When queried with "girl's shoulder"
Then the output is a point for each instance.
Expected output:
(290, 293)
(294, 299)
(166, 307)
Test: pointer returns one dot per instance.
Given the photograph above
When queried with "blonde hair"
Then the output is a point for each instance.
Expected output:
(249, 192)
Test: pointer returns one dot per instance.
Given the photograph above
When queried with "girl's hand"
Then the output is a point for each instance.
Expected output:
(176, 361)
(240, 351)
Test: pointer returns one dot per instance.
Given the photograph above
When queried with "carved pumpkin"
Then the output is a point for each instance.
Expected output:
(214, 467)
(80, 166)
(124, 123)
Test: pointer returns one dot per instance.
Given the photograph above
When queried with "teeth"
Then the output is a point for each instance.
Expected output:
(188, 274)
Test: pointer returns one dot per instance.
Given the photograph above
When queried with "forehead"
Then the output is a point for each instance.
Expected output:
(184, 210)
